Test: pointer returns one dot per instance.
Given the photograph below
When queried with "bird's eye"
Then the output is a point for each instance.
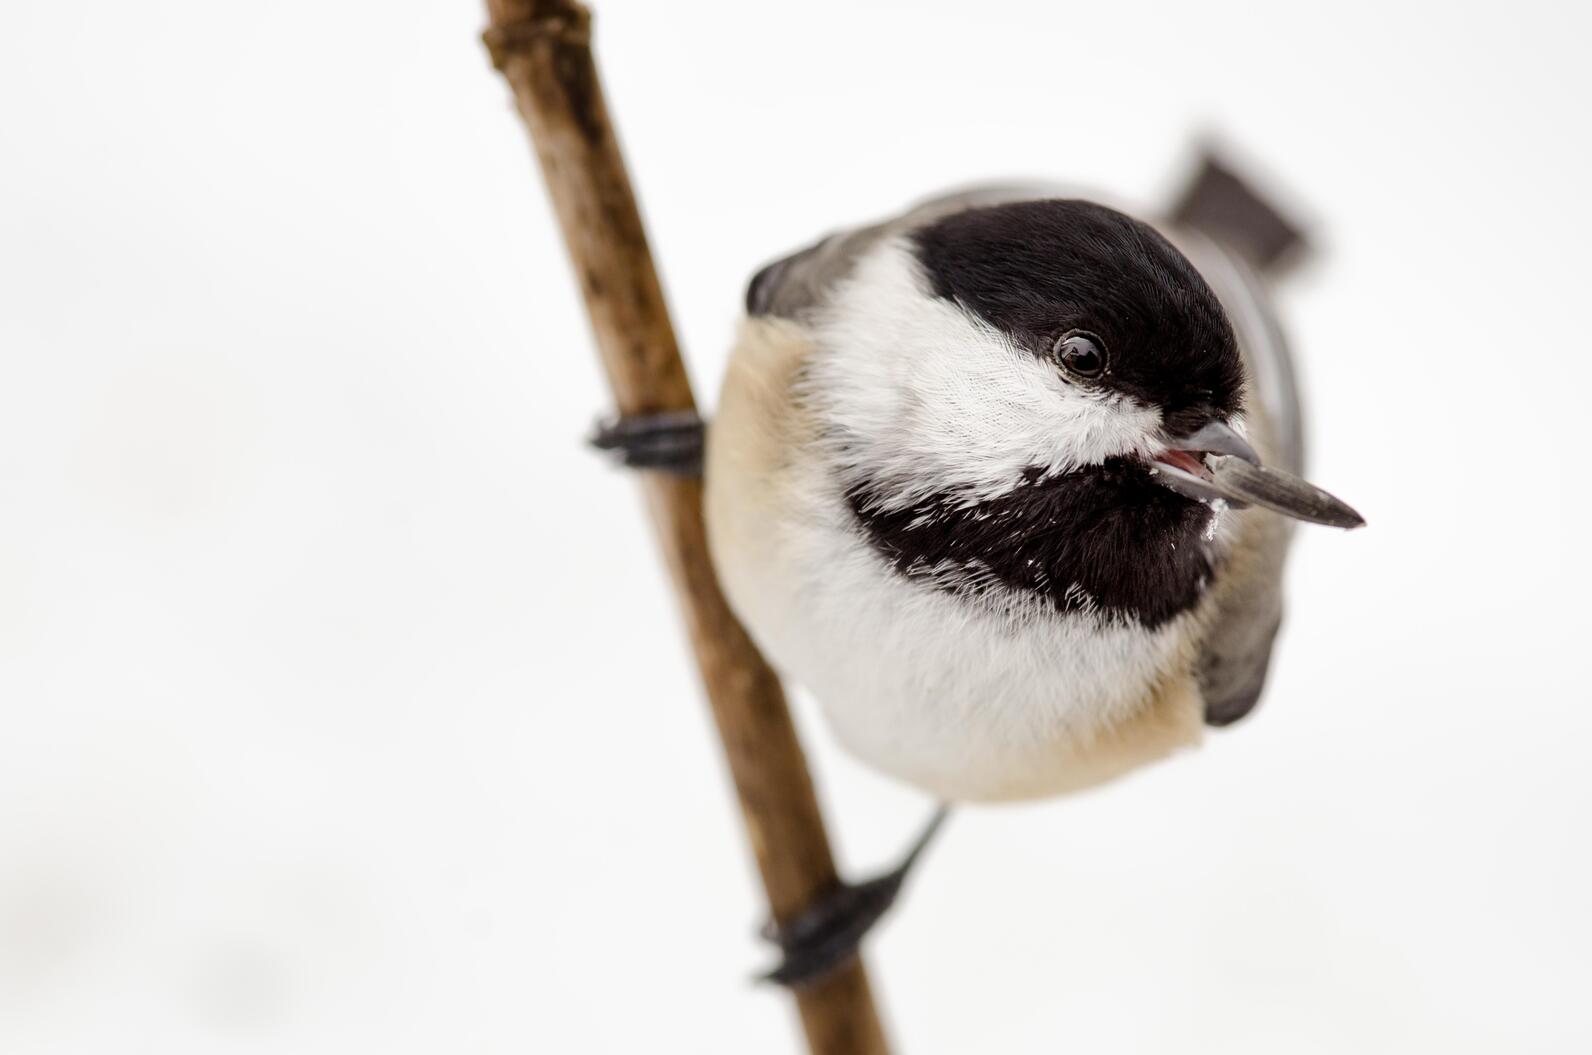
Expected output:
(1083, 354)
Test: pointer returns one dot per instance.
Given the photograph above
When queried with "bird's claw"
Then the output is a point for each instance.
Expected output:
(669, 441)
(826, 934)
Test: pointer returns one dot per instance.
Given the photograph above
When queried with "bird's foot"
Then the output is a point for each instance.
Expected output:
(825, 935)
(669, 442)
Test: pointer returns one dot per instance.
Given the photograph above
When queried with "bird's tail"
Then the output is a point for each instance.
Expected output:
(1225, 206)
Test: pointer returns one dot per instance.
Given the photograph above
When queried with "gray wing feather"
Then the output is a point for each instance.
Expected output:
(1233, 237)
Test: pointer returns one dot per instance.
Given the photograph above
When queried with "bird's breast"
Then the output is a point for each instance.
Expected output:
(972, 692)
(937, 670)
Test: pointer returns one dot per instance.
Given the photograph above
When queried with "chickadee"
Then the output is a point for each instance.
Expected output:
(1007, 483)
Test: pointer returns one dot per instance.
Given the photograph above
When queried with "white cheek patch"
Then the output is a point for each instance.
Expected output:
(921, 397)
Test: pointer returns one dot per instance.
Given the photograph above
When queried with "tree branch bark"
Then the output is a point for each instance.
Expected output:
(543, 49)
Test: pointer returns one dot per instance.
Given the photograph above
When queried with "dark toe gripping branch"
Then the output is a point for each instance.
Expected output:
(670, 442)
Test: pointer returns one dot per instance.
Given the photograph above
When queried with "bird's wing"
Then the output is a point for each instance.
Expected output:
(1247, 596)
(1234, 238)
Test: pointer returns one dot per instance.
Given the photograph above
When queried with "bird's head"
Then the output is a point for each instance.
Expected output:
(1000, 346)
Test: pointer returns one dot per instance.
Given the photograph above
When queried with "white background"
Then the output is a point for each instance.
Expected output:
(342, 704)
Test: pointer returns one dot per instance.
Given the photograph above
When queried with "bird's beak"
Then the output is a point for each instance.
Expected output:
(1217, 463)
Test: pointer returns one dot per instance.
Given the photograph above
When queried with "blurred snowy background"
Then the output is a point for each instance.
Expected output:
(312, 738)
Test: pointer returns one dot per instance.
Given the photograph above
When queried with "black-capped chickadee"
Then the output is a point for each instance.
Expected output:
(1006, 483)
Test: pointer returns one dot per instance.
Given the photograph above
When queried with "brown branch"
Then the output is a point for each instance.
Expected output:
(543, 49)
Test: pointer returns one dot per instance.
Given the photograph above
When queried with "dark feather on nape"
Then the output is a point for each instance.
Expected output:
(1038, 269)
(1107, 539)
